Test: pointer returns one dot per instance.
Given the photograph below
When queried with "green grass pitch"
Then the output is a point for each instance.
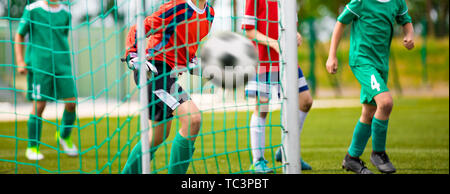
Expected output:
(418, 142)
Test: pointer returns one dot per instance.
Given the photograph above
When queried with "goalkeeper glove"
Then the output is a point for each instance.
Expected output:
(133, 64)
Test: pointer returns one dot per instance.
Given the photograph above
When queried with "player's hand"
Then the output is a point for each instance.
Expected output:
(408, 42)
(22, 68)
(133, 64)
(299, 39)
(275, 46)
(332, 65)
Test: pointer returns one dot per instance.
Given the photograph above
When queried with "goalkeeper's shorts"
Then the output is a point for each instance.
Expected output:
(164, 94)
(266, 84)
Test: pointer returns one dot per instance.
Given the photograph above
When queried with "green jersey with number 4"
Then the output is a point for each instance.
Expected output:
(372, 29)
(370, 42)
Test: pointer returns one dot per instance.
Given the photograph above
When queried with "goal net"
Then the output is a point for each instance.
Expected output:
(108, 123)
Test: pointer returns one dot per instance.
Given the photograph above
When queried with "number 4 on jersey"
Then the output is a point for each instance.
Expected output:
(374, 83)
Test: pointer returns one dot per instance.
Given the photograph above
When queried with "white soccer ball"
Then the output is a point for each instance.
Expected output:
(228, 60)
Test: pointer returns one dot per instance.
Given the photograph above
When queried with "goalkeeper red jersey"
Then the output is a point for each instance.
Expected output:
(174, 32)
(262, 15)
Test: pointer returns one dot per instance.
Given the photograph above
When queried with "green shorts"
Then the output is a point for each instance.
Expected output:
(44, 86)
(372, 80)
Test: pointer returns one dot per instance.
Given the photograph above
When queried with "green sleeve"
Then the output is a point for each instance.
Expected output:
(352, 11)
(25, 22)
(68, 23)
(403, 16)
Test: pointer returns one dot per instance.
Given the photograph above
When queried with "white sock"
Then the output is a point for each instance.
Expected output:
(302, 118)
(257, 136)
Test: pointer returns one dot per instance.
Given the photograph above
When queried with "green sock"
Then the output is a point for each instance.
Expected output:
(68, 120)
(134, 162)
(34, 131)
(180, 155)
(379, 134)
(359, 141)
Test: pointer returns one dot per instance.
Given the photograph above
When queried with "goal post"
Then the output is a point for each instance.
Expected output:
(290, 114)
(143, 94)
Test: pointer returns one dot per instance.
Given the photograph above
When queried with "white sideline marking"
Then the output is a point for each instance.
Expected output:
(112, 108)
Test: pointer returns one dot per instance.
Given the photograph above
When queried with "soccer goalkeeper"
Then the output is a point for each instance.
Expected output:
(174, 33)
(48, 68)
(371, 37)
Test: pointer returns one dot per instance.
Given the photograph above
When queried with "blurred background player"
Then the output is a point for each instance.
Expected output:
(48, 69)
(371, 37)
(174, 33)
(261, 24)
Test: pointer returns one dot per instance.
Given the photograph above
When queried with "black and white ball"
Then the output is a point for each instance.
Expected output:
(228, 60)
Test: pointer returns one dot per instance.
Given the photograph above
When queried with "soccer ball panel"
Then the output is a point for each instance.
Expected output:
(229, 59)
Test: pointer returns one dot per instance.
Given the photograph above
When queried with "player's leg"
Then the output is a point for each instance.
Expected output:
(39, 89)
(68, 119)
(257, 129)
(361, 135)
(380, 122)
(157, 135)
(260, 89)
(183, 145)
(64, 132)
(161, 105)
(362, 132)
(258, 136)
(35, 130)
(66, 90)
(305, 103)
(372, 84)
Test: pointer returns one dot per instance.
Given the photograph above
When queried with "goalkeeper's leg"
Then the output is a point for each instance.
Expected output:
(183, 144)
(157, 136)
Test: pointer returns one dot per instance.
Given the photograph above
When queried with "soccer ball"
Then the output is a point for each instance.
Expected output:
(228, 60)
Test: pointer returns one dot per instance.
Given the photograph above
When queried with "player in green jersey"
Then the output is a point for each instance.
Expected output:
(372, 23)
(48, 69)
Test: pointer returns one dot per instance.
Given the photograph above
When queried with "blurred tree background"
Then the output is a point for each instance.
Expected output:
(435, 12)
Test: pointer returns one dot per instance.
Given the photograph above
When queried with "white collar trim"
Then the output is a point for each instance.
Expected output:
(196, 9)
(50, 8)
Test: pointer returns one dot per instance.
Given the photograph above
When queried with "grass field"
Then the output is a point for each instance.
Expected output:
(418, 142)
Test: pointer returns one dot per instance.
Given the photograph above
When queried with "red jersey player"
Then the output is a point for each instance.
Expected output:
(261, 23)
(173, 33)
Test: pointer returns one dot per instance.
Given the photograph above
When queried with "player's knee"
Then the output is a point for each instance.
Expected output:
(306, 104)
(367, 117)
(262, 107)
(262, 112)
(386, 105)
(193, 128)
(195, 120)
(70, 107)
(368, 112)
(160, 134)
(38, 109)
